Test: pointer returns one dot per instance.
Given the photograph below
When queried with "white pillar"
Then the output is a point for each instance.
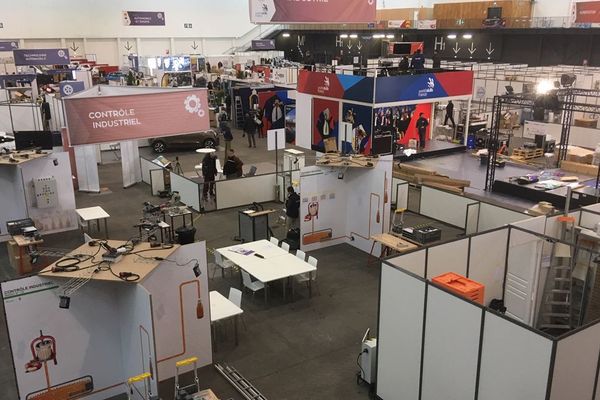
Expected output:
(87, 168)
(130, 163)
(467, 121)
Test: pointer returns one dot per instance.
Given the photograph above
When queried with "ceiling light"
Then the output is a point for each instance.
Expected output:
(378, 36)
(544, 86)
(353, 36)
(343, 35)
(452, 36)
(389, 36)
(286, 35)
(467, 36)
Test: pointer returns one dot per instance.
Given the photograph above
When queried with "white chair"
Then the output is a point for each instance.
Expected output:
(223, 264)
(285, 246)
(235, 296)
(305, 278)
(274, 240)
(248, 283)
(301, 255)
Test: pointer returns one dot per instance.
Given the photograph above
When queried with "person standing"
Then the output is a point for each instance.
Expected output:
(209, 172)
(250, 129)
(292, 208)
(422, 125)
(450, 114)
(277, 118)
(437, 60)
(233, 166)
(404, 64)
(418, 62)
(227, 136)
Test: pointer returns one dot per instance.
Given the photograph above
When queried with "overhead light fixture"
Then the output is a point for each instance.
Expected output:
(544, 86)
(344, 36)
(452, 36)
(378, 36)
(467, 36)
(389, 36)
(286, 35)
(353, 36)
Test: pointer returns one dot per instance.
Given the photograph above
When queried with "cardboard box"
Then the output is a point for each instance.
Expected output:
(586, 122)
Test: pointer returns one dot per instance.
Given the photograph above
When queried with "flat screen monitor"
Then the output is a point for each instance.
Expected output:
(32, 139)
(402, 49)
(494, 12)
(382, 144)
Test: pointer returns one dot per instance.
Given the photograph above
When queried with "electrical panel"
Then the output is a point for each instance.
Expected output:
(46, 195)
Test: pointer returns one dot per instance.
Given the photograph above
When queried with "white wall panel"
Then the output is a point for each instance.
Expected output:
(155, 47)
(449, 257)
(487, 262)
(413, 262)
(188, 190)
(491, 217)
(239, 192)
(303, 120)
(216, 46)
(451, 347)
(444, 206)
(400, 334)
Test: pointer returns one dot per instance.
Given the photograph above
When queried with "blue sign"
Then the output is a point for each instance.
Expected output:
(41, 56)
(68, 88)
(408, 87)
(144, 18)
(9, 45)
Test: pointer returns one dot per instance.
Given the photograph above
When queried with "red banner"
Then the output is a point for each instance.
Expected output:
(588, 12)
(116, 118)
(302, 11)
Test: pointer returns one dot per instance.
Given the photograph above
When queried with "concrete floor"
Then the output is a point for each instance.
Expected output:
(290, 350)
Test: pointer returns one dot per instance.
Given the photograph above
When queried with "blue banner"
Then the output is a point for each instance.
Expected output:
(263, 44)
(9, 45)
(68, 88)
(41, 56)
(144, 18)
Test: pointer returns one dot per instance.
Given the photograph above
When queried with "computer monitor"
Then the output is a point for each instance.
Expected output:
(33, 139)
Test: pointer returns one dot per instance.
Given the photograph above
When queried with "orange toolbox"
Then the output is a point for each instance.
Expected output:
(462, 286)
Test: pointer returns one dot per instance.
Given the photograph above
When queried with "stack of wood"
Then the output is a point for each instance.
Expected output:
(579, 161)
(423, 176)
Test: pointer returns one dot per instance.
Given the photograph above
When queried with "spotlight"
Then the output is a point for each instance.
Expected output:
(567, 80)
(344, 36)
(544, 86)
(64, 302)
(353, 36)
(286, 35)
(467, 36)
(389, 36)
(196, 270)
(451, 36)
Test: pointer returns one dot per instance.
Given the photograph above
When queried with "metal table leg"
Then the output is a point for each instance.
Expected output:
(235, 328)
(214, 335)
(310, 284)
(106, 226)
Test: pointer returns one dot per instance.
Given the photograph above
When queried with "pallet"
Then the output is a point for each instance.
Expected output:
(528, 154)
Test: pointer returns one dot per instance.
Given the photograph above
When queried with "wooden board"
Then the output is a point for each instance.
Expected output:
(411, 169)
(447, 188)
(128, 263)
(578, 168)
(259, 213)
(394, 242)
(337, 160)
(442, 180)
(23, 241)
(20, 157)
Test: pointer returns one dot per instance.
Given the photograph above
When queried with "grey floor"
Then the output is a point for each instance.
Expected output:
(289, 350)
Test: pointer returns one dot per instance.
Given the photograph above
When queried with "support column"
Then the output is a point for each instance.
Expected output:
(467, 121)
(119, 51)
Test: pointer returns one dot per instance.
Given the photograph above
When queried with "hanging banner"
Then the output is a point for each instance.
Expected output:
(349, 87)
(263, 44)
(330, 11)
(427, 24)
(399, 23)
(117, 118)
(9, 45)
(41, 56)
(144, 18)
(68, 88)
(423, 86)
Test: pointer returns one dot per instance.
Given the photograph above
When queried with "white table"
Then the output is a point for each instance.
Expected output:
(276, 263)
(221, 308)
(94, 214)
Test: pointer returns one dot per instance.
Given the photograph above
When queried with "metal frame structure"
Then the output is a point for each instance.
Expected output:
(568, 105)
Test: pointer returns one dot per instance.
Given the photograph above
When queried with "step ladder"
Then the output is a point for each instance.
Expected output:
(239, 112)
(241, 384)
(556, 309)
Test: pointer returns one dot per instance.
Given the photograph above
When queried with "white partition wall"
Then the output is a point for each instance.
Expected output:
(412, 262)
(400, 193)
(515, 361)
(444, 206)
(145, 167)
(472, 220)
(451, 347)
(439, 262)
(188, 190)
(239, 192)
(400, 327)
(491, 217)
(487, 262)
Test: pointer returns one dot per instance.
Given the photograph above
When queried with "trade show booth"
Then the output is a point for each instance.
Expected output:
(83, 332)
(494, 331)
(381, 112)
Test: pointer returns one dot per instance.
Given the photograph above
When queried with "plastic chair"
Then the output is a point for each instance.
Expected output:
(285, 246)
(235, 296)
(252, 171)
(248, 283)
(223, 264)
(305, 278)
(274, 240)
(301, 255)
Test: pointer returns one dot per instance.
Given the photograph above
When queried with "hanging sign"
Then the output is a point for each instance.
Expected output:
(41, 56)
(143, 18)
(9, 45)
(330, 11)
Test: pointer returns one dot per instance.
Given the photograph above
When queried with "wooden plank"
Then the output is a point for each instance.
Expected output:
(411, 169)
(447, 188)
(578, 168)
(443, 180)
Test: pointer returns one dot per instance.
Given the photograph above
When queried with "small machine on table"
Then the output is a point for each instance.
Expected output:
(24, 241)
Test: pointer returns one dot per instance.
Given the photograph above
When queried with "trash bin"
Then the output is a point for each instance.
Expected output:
(185, 234)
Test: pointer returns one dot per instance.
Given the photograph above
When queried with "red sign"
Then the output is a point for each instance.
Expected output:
(588, 12)
(116, 118)
(303, 11)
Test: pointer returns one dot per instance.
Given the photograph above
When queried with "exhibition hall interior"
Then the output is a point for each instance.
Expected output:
(285, 200)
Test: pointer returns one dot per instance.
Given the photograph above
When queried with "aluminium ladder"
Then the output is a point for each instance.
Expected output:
(242, 385)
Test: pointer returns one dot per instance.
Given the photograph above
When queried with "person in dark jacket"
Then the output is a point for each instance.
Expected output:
(292, 208)
(233, 166)
(277, 117)
(418, 61)
(437, 60)
(227, 136)
(209, 171)
(450, 114)
(250, 129)
(403, 65)
(422, 125)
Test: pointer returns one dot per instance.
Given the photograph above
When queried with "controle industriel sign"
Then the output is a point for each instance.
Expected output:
(116, 118)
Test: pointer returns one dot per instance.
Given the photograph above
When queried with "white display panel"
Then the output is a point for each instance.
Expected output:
(472, 218)
(243, 191)
(514, 362)
(487, 262)
(593, 207)
(188, 190)
(575, 365)
(146, 166)
(400, 334)
(400, 193)
(413, 262)
(157, 179)
(589, 220)
(451, 347)
(87, 168)
(443, 206)
(536, 224)
(448, 257)
(303, 120)
(491, 217)
(130, 164)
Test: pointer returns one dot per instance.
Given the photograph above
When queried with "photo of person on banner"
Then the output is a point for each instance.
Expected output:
(360, 118)
(401, 122)
(326, 115)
